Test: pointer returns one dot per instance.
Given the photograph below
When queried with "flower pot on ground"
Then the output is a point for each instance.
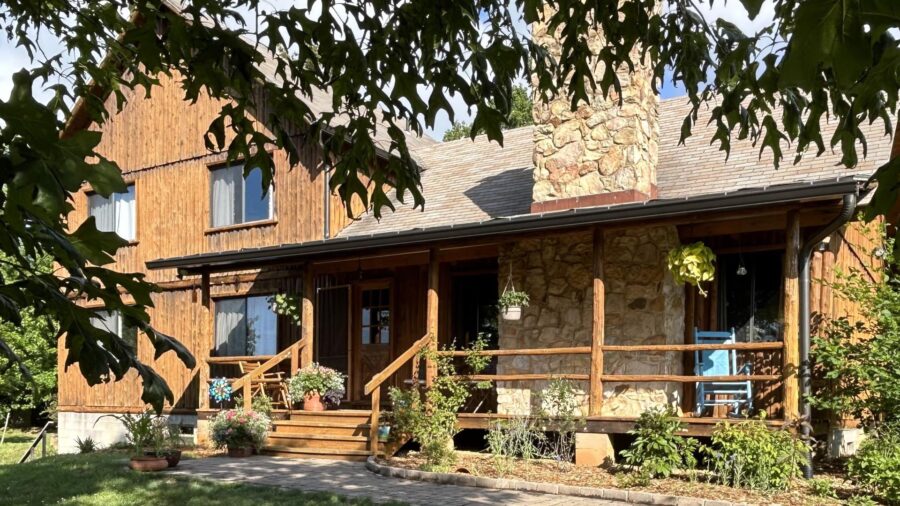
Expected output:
(148, 463)
(238, 430)
(384, 433)
(315, 382)
(240, 452)
(511, 303)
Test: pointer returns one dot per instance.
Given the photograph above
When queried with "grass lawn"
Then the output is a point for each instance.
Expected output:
(17, 441)
(103, 479)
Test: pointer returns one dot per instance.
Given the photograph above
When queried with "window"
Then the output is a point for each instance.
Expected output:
(113, 322)
(750, 295)
(376, 316)
(115, 213)
(245, 326)
(236, 199)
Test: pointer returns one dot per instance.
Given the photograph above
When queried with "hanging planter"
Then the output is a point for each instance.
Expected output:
(693, 264)
(512, 301)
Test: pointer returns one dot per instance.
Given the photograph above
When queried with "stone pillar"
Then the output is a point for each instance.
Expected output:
(603, 152)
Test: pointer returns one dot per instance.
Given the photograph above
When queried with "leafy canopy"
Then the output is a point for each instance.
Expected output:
(821, 57)
(519, 116)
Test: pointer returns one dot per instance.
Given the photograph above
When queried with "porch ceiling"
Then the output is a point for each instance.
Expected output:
(552, 221)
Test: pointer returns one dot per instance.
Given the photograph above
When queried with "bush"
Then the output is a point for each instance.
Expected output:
(821, 487)
(750, 455)
(855, 361)
(260, 403)
(876, 465)
(518, 437)
(86, 445)
(317, 379)
(238, 429)
(431, 420)
(657, 448)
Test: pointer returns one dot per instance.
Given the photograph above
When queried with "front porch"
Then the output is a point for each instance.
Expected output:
(605, 314)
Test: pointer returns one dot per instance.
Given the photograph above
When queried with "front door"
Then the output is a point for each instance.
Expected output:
(372, 342)
(333, 324)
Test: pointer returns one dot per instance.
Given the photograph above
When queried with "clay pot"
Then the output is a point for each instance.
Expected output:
(312, 402)
(173, 457)
(240, 452)
(148, 463)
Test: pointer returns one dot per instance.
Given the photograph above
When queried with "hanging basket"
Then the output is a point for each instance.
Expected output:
(512, 301)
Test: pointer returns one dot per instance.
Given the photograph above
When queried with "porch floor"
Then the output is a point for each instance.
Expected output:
(352, 479)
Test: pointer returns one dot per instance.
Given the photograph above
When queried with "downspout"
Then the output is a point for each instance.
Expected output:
(849, 206)
(326, 228)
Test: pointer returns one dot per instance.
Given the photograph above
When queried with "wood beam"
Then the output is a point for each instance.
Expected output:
(791, 354)
(598, 331)
(206, 340)
(432, 312)
(307, 318)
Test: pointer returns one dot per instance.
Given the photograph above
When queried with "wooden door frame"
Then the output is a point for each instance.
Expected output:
(356, 381)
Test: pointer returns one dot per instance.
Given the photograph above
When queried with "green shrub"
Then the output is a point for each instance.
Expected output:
(876, 465)
(261, 403)
(750, 455)
(560, 408)
(518, 437)
(861, 500)
(86, 445)
(657, 448)
(431, 419)
(821, 487)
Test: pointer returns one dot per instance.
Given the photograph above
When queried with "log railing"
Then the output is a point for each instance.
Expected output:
(245, 382)
(373, 387)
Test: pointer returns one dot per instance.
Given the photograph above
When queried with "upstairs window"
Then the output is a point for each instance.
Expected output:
(236, 199)
(113, 322)
(115, 213)
(245, 326)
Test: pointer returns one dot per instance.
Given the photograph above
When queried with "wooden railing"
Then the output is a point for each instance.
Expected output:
(245, 382)
(373, 387)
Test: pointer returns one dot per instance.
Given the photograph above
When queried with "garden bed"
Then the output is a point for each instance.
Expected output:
(545, 471)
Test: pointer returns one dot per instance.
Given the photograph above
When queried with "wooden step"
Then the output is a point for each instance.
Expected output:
(315, 453)
(337, 416)
(319, 441)
(324, 428)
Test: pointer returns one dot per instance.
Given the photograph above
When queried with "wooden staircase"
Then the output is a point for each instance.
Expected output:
(335, 435)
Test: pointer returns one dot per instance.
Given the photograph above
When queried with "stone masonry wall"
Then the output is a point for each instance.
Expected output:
(643, 305)
(601, 147)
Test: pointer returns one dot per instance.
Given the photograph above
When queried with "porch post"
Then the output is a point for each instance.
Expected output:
(431, 312)
(206, 330)
(307, 320)
(598, 332)
(791, 351)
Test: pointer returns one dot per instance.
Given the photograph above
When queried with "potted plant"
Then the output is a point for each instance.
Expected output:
(692, 264)
(511, 303)
(239, 431)
(167, 442)
(317, 386)
(141, 438)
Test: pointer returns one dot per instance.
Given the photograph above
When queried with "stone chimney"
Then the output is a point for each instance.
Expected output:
(602, 153)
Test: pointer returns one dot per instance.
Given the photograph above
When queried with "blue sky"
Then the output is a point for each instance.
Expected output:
(13, 58)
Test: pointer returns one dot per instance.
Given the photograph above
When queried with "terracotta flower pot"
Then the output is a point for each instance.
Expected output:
(312, 402)
(172, 456)
(241, 452)
(148, 463)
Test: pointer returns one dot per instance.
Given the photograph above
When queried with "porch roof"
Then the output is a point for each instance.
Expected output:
(523, 223)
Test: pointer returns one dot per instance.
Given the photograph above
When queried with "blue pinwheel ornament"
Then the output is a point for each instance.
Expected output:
(220, 390)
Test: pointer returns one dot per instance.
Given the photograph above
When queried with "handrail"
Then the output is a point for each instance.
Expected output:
(373, 387)
(246, 381)
(399, 362)
(42, 436)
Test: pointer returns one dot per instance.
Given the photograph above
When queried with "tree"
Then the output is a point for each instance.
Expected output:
(33, 340)
(519, 116)
(821, 57)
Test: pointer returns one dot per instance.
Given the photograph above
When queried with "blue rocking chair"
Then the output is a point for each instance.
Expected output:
(720, 363)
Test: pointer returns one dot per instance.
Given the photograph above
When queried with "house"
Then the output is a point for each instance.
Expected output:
(579, 211)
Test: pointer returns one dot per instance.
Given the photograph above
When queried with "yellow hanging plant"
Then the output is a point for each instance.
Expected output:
(692, 263)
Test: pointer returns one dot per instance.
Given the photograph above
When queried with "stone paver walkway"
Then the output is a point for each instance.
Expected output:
(352, 479)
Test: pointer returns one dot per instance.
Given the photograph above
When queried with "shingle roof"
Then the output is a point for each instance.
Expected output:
(469, 181)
